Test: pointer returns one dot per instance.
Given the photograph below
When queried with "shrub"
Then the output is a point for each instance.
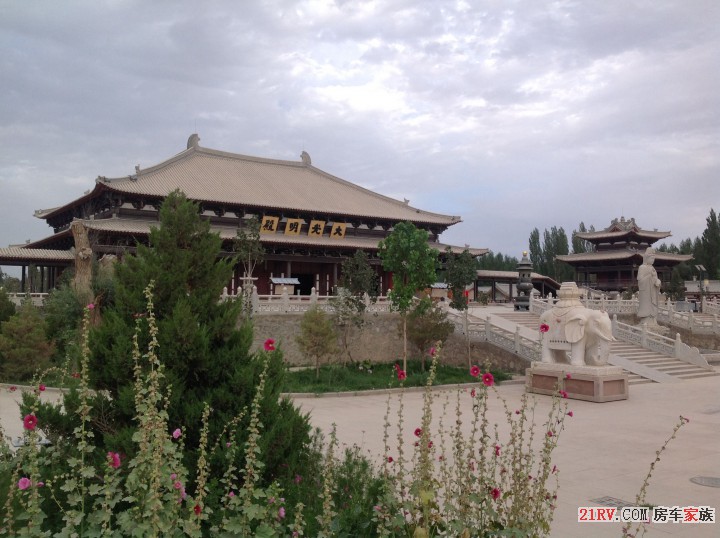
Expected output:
(23, 346)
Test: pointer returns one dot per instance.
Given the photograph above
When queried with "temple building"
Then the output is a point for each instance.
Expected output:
(616, 254)
(311, 221)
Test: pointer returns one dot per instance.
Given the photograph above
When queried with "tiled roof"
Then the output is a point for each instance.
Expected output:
(620, 228)
(142, 227)
(34, 254)
(484, 274)
(623, 254)
(208, 175)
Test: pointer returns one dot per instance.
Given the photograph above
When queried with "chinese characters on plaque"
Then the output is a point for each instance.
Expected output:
(316, 228)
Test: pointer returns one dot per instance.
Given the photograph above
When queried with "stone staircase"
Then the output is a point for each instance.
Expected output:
(677, 370)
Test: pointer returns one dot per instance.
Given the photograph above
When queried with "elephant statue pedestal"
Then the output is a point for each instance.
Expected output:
(575, 346)
(589, 383)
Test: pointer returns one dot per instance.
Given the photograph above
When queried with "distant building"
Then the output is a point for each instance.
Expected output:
(616, 256)
(311, 220)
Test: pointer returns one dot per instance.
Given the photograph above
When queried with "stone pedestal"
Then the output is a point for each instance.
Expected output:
(590, 383)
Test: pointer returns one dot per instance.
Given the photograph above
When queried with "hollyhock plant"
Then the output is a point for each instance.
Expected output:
(113, 459)
(475, 370)
(488, 379)
(269, 344)
(24, 483)
(418, 432)
(177, 433)
(432, 351)
(91, 306)
(197, 510)
(29, 422)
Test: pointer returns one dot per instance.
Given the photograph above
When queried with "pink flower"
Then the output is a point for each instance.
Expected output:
(418, 432)
(91, 306)
(390, 459)
(177, 484)
(495, 493)
(430, 445)
(563, 394)
(41, 388)
(401, 375)
(197, 510)
(298, 478)
(113, 459)
(29, 422)
(40, 484)
(281, 512)
(231, 494)
(570, 414)
(544, 327)
(177, 433)
(475, 370)
(13, 388)
(568, 376)
(173, 476)
(75, 375)
(228, 444)
(24, 483)
(497, 450)
(549, 433)
(377, 508)
(488, 379)
(472, 393)
(433, 351)
(517, 411)
(269, 344)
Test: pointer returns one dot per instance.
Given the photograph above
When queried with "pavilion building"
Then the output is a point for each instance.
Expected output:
(617, 252)
(311, 221)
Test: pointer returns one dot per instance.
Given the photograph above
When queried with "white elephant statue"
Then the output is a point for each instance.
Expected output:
(574, 334)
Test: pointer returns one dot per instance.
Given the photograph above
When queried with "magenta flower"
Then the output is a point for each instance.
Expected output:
(13, 388)
(197, 510)
(433, 351)
(488, 379)
(563, 394)
(497, 450)
(544, 327)
(281, 512)
(390, 459)
(91, 306)
(475, 370)
(550, 433)
(269, 344)
(40, 484)
(570, 414)
(177, 433)
(298, 478)
(495, 493)
(113, 459)
(29, 422)
(568, 376)
(231, 494)
(472, 393)
(177, 484)
(418, 432)
(24, 483)
(401, 375)
(41, 388)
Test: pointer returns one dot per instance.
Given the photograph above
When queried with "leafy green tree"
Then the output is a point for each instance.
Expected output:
(317, 338)
(9, 283)
(581, 245)
(460, 272)
(426, 325)
(23, 347)
(205, 353)
(407, 254)
(250, 252)
(7, 307)
(709, 256)
(357, 279)
(497, 262)
(537, 257)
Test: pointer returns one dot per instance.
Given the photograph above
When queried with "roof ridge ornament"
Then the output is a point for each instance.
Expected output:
(193, 141)
(305, 156)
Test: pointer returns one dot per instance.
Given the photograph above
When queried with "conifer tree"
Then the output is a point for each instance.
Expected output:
(23, 347)
(205, 353)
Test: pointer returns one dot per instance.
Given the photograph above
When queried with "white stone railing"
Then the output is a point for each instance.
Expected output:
(711, 307)
(656, 342)
(487, 331)
(667, 312)
(37, 299)
(298, 304)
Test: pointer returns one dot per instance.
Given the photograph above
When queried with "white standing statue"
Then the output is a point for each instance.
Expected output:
(649, 289)
(572, 333)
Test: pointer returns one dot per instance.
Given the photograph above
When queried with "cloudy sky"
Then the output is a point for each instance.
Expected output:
(513, 114)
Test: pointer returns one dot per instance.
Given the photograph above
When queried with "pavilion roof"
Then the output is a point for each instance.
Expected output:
(208, 175)
(622, 229)
(141, 227)
(622, 255)
(16, 255)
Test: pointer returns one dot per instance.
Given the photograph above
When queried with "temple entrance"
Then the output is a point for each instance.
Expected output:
(306, 283)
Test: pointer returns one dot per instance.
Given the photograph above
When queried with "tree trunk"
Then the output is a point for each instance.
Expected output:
(405, 343)
(83, 262)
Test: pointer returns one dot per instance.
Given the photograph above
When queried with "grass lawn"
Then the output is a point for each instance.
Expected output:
(338, 378)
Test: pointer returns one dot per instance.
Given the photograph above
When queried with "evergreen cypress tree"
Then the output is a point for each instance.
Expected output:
(205, 353)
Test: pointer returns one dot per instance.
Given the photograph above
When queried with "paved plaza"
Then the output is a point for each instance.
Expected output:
(604, 452)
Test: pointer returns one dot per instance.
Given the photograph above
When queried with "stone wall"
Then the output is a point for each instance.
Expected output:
(381, 341)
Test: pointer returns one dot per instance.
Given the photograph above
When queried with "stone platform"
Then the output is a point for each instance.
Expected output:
(589, 383)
